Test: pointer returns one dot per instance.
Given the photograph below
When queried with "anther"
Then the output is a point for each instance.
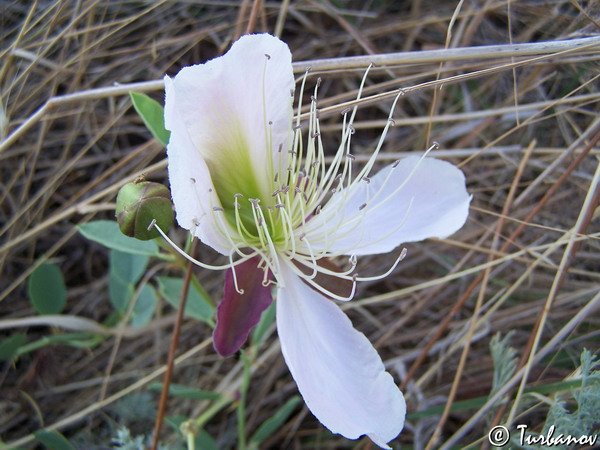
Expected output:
(195, 222)
(270, 122)
(280, 148)
(367, 179)
(193, 180)
(268, 56)
(435, 145)
(285, 188)
(210, 190)
(279, 205)
(391, 121)
(318, 113)
(315, 164)
(319, 82)
(297, 190)
(296, 127)
(302, 236)
(292, 93)
(350, 156)
(217, 208)
(351, 128)
(313, 99)
(346, 111)
(318, 210)
(269, 207)
(254, 201)
(276, 193)
(238, 195)
(315, 134)
(401, 91)
(403, 254)
(363, 206)
(151, 224)
(337, 178)
(260, 221)
(395, 164)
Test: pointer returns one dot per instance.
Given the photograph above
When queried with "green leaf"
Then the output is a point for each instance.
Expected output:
(125, 271)
(266, 320)
(119, 292)
(47, 291)
(152, 114)
(9, 346)
(107, 233)
(179, 390)
(53, 440)
(568, 421)
(205, 441)
(127, 266)
(272, 424)
(144, 307)
(197, 305)
(505, 361)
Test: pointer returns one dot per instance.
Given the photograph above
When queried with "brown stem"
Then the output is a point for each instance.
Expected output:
(172, 349)
(253, 15)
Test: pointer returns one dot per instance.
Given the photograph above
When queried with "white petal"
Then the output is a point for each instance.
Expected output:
(416, 200)
(227, 104)
(191, 185)
(337, 370)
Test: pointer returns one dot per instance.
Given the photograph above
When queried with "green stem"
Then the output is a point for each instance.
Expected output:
(189, 434)
(221, 403)
(241, 409)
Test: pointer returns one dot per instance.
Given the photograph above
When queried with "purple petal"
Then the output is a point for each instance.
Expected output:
(238, 313)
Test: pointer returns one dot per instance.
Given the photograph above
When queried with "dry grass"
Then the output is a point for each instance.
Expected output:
(522, 122)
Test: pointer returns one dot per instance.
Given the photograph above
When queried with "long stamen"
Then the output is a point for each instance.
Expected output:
(235, 282)
(402, 255)
(320, 288)
(195, 261)
(344, 275)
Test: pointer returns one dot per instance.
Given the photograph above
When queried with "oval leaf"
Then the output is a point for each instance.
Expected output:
(144, 307)
(9, 346)
(47, 291)
(107, 233)
(197, 305)
(53, 440)
(152, 113)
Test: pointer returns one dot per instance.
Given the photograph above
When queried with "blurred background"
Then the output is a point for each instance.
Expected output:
(520, 119)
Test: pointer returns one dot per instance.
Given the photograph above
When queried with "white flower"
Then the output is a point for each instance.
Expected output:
(244, 182)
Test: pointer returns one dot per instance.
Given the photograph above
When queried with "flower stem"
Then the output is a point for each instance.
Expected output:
(172, 349)
(214, 409)
(241, 409)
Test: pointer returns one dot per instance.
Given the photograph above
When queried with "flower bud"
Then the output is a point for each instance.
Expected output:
(141, 202)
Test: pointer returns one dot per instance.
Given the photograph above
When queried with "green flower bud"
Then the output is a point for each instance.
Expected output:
(141, 202)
